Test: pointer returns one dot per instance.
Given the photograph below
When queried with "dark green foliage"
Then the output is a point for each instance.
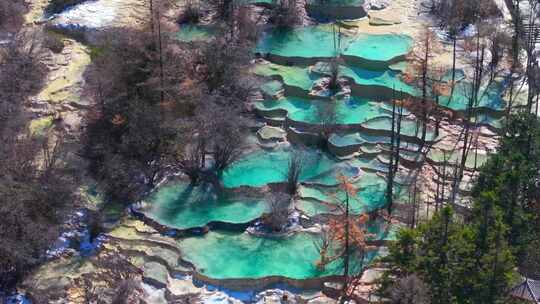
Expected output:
(530, 266)
(443, 254)
(401, 259)
(509, 181)
(474, 261)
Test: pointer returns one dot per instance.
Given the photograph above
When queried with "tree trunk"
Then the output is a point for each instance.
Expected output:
(454, 42)
(398, 139)
(152, 17)
(346, 256)
(390, 182)
(424, 94)
(160, 49)
(445, 163)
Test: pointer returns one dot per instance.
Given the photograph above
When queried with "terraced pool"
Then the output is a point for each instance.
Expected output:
(307, 44)
(347, 111)
(263, 167)
(226, 255)
(371, 66)
(183, 206)
(190, 33)
(319, 200)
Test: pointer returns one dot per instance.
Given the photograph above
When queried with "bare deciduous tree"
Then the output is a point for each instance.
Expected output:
(278, 215)
(294, 171)
(191, 12)
(228, 139)
(420, 71)
(12, 15)
(286, 14)
(327, 116)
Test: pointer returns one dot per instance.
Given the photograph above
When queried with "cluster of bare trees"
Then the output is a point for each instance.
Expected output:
(278, 216)
(164, 106)
(345, 239)
(484, 55)
(280, 200)
(120, 281)
(36, 188)
(191, 13)
(286, 14)
(395, 145)
(491, 47)
(492, 57)
(460, 13)
(11, 15)
(208, 142)
(523, 61)
(424, 74)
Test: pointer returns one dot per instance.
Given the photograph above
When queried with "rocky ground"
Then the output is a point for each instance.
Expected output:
(157, 265)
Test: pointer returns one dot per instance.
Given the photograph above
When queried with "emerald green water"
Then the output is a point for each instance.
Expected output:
(459, 75)
(487, 119)
(183, 206)
(349, 139)
(308, 42)
(312, 207)
(272, 88)
(490, 97)
(262, 167)
(370, 164)
(304, 79)
(225, 255)
(329, 196)
(387, 78)
(379, 47)
(319, 42)
(370, 196)
(409, 127)
(472, 160)
(381, 229)
(347, 111)
(189, 33)
(291, 75)
(384, 78)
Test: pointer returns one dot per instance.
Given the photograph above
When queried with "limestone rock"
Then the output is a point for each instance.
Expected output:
(377, 4)
(276, 296)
